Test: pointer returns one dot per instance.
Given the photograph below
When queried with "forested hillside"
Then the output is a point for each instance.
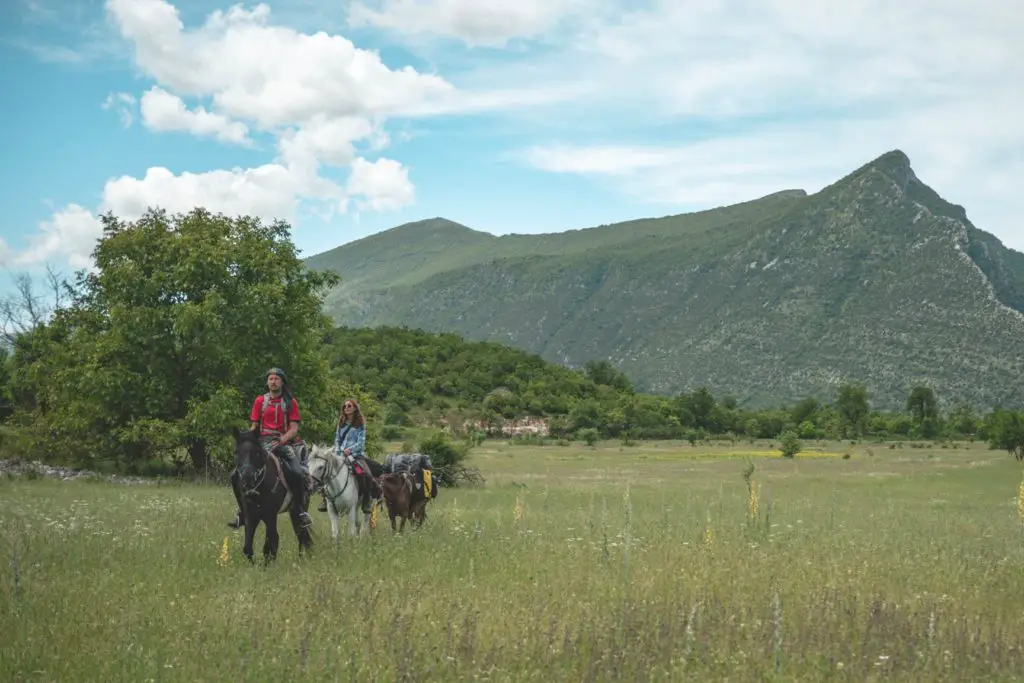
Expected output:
(423, 379)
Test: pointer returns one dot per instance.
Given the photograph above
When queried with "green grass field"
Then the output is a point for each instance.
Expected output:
(571, 564)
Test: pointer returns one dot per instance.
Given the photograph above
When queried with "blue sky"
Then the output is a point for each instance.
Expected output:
(346, 118)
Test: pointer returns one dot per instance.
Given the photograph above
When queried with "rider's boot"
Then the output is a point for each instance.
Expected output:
(297, 484)
(364, 492)
(302, 502)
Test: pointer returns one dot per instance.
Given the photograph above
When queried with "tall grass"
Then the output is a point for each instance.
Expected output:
(573, 563)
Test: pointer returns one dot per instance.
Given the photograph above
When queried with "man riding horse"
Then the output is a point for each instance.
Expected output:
(277, 415)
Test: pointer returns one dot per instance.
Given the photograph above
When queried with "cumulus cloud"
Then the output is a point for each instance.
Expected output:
(272, 75)
(329, 140)
(322, 98)
(269, 191)
(71, 233)
(384, 184)
(163, 111)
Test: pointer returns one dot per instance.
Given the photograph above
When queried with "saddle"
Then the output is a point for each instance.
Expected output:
(301, 449)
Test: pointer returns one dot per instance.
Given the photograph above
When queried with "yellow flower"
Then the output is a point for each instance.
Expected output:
(223, 559)
(1020, 498)
(752, 503)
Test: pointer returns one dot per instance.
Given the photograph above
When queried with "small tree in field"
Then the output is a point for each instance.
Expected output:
(789, 444)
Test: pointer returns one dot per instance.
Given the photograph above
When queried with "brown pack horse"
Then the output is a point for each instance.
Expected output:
(399, 492)
(265, 495)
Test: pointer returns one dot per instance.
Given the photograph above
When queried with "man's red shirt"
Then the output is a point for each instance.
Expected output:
(273, 421)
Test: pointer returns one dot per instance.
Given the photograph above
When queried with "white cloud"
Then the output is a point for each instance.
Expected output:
(163, 111)
(752, 97)
(71, 233)
(329, 140)
(770, 95)
(324, 99)
(486, 24)
(272, 75)
(723, 57)
(270, 191)
(962, 163)
(384, 184)
(124, 104)
(5, 253)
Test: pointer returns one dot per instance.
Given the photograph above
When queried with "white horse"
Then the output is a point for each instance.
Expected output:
(340, 488)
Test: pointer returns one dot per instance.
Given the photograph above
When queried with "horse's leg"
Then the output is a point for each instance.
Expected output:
(353, 514)
(273, 538)
(301, 526)
(301, 532)
(251, 522)
(421, 515)
(391, 514)
(332, 514)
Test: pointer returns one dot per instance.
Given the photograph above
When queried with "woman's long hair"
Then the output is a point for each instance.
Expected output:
(357, 415)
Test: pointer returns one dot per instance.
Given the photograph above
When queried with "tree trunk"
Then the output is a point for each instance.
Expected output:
(197, 452)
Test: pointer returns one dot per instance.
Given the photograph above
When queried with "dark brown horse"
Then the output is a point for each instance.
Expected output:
(265, 495)
(404, 501)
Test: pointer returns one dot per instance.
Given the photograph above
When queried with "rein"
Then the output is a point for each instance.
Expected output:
(256, 475)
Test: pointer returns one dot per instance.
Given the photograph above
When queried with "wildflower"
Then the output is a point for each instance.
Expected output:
(1020, 498)
(223, 559)
(518, 511)
(752, 503)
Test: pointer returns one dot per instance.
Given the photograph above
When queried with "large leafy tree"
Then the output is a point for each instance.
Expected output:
(923, 408)
(853, 407)
(167, 340)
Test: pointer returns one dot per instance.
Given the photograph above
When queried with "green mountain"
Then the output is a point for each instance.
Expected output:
(875, 279)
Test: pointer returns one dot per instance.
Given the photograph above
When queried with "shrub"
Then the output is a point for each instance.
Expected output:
(789, 444)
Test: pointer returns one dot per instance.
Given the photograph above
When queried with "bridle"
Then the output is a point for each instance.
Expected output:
(320, 485)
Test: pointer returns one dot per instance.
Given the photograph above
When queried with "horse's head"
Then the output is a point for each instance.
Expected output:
(320, 469)
(250, 456)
